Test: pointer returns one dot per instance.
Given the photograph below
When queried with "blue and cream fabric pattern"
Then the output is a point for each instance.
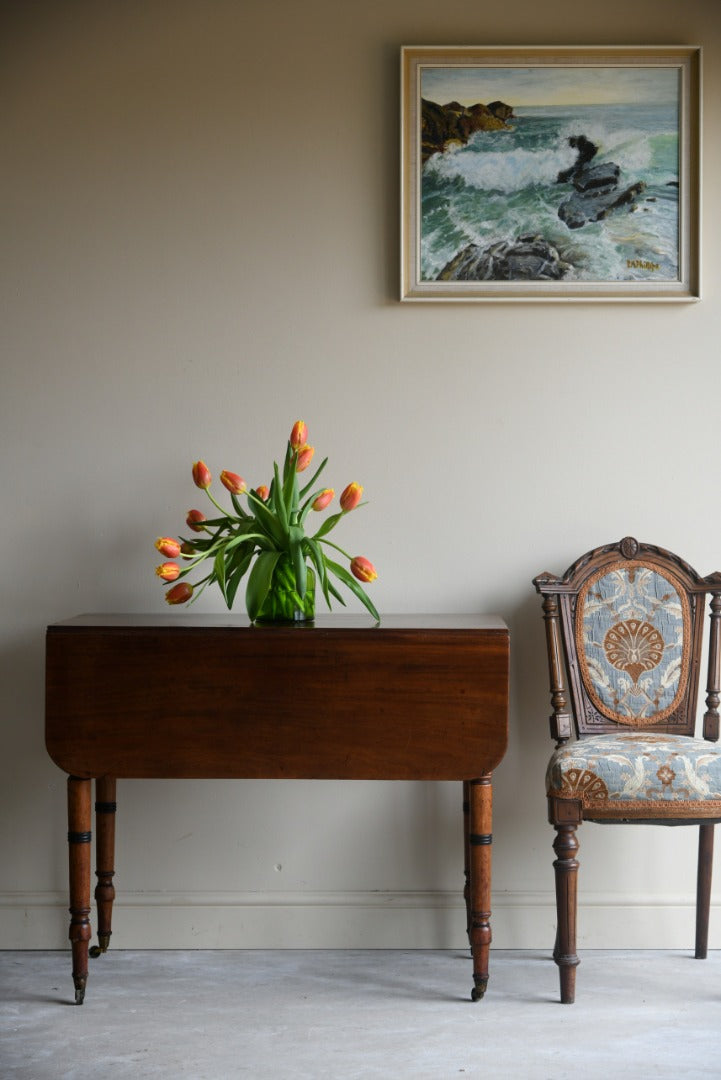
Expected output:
(636, 774)
(633, 632)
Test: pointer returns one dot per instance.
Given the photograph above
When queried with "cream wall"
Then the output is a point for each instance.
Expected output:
(200, 234)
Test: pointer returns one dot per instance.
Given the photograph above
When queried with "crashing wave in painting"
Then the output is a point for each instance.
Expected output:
(512, 182)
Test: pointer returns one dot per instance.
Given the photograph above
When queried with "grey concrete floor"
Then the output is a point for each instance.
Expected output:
(215, 1015)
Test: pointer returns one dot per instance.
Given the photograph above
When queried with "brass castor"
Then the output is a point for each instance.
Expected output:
(479, 989)
(101, 947)
(79, 982)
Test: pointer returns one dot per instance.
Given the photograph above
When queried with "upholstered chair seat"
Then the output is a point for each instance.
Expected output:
(624, 635)
(634, 776)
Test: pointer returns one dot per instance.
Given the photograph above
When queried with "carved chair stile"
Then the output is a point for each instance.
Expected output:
(624, 634)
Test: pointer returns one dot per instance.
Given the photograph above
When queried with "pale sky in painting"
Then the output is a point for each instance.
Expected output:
(550, 85)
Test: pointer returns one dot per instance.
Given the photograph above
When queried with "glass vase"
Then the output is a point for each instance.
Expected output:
(283, 604)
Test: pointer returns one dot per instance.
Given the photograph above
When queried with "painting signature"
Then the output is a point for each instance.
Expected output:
(642, 264)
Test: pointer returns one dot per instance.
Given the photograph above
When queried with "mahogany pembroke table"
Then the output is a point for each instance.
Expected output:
(158, 696)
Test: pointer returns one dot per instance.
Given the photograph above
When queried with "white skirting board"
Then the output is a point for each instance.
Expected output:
(373, 920)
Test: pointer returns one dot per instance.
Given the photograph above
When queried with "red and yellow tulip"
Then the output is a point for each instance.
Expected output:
(168, 571)
(363, 569)
(180, 593)
(305, 456)
(235, 484)
(321, 501)
(299, 435)
(195, 520)
(201, 475)
(166, 545)
(350, 497)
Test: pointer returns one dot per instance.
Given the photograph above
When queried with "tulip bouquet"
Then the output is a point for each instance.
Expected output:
(269, 533)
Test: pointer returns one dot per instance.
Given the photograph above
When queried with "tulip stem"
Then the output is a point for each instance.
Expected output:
(198, 588)
(331, 544)
(215, 503)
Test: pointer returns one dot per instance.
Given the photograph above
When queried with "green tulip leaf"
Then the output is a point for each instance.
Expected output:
(217, 523)
(281, 506)
(328, 524)
(219, 571)
(197, 545)
(334, 592)
(268, 522)
(318, 559)
(304, 490)
(348, 580)
(290, 491)
(295, 540)
(239, 563)
(238, 507)
(259, 581)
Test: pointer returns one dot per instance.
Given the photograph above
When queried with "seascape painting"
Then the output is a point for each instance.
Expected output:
(566, 174)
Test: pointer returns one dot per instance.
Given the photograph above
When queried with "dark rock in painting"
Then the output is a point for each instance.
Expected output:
(593, 205)
(529, 258)
(603, 176)
(445, 125)
(596, 187)
(586, 152)
(501, 110)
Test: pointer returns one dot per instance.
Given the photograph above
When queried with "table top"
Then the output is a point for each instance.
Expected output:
(417, 697)
(185, 620)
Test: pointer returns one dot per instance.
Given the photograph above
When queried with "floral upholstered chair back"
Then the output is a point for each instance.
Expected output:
(632, 625)
(633, 638)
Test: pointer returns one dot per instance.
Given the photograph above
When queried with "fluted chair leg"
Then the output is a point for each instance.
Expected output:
(703, 888)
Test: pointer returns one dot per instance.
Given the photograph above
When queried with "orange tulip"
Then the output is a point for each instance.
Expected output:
(179, 594)
(321, 501)
(363, 569)
(201, 475)
(351, 496)
(194, 520)
(262, 491)
(166, 545)
(299, 435)
(187, 549)
(168, 571)
(234, 483)
(305, 456)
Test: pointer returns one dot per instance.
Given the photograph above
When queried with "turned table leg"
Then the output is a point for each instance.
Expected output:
(105, 807)
(79, 836)
(479, 845)
(467, 857)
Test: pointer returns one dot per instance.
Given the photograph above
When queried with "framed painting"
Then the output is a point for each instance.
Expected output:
(550, 173)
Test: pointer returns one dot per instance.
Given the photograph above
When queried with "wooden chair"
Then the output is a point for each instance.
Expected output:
(624, 629)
